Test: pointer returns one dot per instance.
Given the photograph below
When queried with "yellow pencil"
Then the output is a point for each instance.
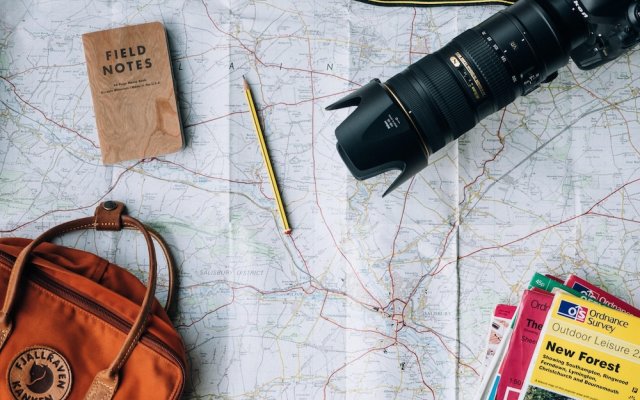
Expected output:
(265, 156)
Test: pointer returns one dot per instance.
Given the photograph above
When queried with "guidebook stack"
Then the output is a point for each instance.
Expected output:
(567, 340)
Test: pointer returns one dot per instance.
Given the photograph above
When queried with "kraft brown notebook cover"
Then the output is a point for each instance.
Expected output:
(133, 92)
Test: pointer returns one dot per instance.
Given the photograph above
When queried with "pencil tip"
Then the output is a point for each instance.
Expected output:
(245, 83)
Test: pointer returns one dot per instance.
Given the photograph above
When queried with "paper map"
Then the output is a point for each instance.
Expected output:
(370, 298)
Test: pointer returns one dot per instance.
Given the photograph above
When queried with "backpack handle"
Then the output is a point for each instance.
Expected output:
(109, 216)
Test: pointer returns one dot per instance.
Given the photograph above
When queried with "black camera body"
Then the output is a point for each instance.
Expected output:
(614, 28)
(398, 124)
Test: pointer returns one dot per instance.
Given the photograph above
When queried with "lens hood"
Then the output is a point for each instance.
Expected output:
(379, 135)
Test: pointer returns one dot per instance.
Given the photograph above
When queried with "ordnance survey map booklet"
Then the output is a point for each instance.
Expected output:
(602, 296)
(586, 351)
(508, 375)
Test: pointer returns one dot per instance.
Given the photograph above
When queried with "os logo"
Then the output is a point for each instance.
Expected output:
(585, 291)
(573, 311)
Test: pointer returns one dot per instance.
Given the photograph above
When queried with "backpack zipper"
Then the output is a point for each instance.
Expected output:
(49, 284)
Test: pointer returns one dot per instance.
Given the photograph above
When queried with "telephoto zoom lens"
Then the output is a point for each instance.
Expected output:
(400, 123)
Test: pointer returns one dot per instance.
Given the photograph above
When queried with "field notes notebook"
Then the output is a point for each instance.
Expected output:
(133, 94)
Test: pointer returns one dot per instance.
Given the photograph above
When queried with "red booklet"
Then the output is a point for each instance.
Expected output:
(598, 294)
(532, 313)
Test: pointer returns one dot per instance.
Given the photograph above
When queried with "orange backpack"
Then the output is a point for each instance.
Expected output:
(74, 326)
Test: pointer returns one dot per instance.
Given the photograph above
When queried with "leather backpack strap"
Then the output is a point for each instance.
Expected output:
(108, 216)
(171, 277)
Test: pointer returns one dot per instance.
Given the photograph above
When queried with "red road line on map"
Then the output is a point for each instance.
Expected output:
(209, 50)
(484, 164)
(344, 256)
(464, 191)
(214, 119)
(181, 166)
(424, 382)
(42, 67)
(233, 298)
(264, 194)
(238, 286)
(279, 66)
(436, 334)
(277, 291)
(15, 91)
(455, 225)
(305, 101)
(612, 193)
(343, 294)
(440, 269)
(612, 105)
(588, 212)
(331, 321)
(413, 21)
(324, 390)
(315, 183)
(264, 108)
(304, 261)
(395, 239)
(415, 288)
(314, 288)
(614, 217)
(74, 209)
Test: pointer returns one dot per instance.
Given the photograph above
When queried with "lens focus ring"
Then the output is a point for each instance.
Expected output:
(487, 64)
(433, 112)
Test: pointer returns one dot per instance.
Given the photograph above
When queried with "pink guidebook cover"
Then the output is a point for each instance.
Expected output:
(500, 322)
(533, 312)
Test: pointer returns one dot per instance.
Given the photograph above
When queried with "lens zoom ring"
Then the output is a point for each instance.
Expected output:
(487, 63)
(442, 83)
(429, 85)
